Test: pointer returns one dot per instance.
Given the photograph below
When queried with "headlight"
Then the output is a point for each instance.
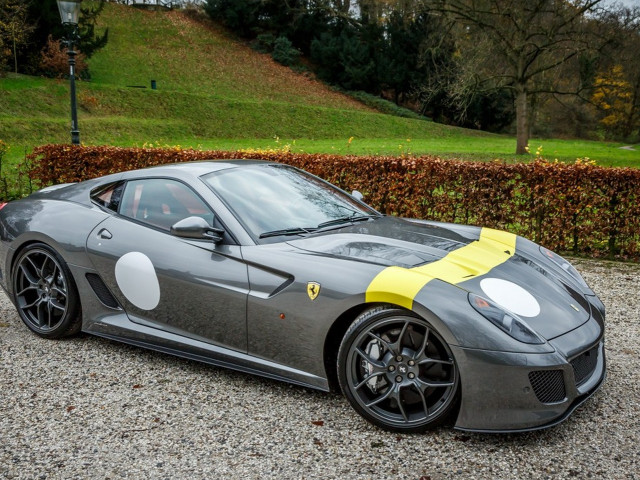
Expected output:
(563, 264)
(507, 322)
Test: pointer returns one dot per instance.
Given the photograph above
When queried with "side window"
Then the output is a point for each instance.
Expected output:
(108, 196)
(160, 202)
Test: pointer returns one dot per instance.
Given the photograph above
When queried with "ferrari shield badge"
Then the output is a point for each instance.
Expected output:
(313, 290)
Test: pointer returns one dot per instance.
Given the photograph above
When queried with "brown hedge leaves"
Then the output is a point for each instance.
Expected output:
(580, 208)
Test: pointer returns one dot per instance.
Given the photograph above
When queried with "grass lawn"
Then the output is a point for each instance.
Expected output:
(215, 92)
(466, 148)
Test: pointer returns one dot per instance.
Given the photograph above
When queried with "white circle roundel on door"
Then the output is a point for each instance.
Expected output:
(138, 281)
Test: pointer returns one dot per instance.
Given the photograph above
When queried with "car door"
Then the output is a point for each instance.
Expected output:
(191, 287)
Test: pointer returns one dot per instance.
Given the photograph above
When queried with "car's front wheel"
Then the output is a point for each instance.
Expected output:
(397, 371)
(44, 292)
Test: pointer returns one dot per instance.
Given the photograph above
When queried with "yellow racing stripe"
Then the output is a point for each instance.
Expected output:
(400, 286)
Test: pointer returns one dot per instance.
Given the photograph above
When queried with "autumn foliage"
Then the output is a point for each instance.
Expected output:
(579, 208)
(54, 60)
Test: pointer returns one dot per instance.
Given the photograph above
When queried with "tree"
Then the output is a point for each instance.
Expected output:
(618, 99)
(44, 16)
(343, 58)
(14, 27)
(91, 41)
(399, 67)
(519, 46)
(617, 84)
(241, 16)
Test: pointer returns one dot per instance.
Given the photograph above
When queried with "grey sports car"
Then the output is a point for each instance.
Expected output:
(264, 268)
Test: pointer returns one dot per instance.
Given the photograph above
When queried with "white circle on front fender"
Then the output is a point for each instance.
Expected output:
(511, 297)
(138, 281)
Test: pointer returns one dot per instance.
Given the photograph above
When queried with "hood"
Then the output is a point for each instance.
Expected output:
(510, 278)
(390, 241)
(544, 301)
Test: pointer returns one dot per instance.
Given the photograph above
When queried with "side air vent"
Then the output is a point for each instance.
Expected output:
(101, 290)
(548, 385)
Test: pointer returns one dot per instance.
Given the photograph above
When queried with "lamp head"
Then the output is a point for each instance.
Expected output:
(69, 11)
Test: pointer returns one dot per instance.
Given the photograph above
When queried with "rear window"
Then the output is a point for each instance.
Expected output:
(108, 196)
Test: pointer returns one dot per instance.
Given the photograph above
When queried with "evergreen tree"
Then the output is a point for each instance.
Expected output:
(399, 68)
(240, 16)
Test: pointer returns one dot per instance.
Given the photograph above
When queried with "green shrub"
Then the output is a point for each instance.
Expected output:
(284, 52)
(384, 106)
(264, 43)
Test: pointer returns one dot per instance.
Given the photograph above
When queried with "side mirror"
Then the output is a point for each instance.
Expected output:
(357, 195)
(196, 228)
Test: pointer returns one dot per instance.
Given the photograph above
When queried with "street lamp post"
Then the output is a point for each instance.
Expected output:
(69, 13)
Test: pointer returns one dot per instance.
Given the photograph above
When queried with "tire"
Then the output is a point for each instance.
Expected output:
(397, 371)
(44, 292)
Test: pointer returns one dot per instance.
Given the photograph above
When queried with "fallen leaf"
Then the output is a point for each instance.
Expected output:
(70, 408)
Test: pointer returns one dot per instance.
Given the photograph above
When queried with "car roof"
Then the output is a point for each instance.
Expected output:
(192, 169)
(185, 171)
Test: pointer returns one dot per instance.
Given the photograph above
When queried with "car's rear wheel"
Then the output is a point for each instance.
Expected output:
(397, 371)
(44, 292)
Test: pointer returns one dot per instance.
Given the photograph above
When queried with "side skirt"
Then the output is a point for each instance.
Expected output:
(117, 327)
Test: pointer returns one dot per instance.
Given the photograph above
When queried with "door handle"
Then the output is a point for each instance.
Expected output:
(105, 234)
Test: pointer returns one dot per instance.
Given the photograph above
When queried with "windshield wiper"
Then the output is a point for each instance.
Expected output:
(287, 231)
(329, 223)
(349, 219)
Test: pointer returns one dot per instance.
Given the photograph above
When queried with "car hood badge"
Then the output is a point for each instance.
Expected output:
(313, 290)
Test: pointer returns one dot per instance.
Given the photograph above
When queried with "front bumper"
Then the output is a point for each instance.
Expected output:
(516, 392)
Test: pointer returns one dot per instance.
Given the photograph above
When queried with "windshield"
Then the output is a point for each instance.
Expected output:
(274, 200)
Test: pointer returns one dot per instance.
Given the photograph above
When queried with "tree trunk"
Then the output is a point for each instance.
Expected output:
(15, 56)
(522, 127)
(633, 111)
(532, 111)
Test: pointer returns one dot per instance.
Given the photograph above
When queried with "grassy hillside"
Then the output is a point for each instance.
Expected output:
(216, 92)
(194, 56)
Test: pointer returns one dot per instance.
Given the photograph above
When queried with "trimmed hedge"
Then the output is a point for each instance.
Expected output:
(579, 208)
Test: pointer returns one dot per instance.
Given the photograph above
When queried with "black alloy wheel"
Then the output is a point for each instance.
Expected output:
(44, 292)
(397, 371)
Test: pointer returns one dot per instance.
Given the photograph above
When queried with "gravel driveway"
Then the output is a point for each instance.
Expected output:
(91, 408)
